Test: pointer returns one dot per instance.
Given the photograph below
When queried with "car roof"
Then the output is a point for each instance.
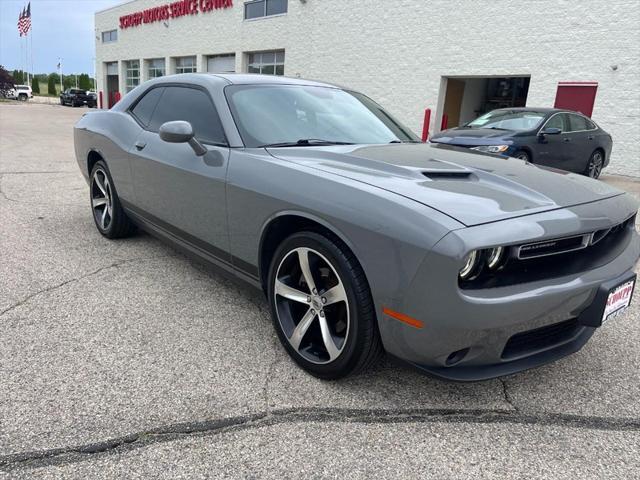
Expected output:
(250, 79)
(545, 110)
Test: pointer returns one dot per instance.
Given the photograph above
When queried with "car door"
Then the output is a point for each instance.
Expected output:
(175, 189)
(552, 149)
(583, 142)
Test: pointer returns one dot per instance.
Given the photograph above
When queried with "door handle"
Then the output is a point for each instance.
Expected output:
(591, 137)
(140, 145)
(567, 140)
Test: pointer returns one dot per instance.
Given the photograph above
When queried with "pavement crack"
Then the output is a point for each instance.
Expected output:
(71, 280)
(507, 395)
(123, 444)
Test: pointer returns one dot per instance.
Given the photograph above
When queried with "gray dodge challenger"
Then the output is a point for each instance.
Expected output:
(463, 264)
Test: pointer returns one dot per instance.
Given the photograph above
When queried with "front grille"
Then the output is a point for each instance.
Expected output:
(553, 247)
(539, 339)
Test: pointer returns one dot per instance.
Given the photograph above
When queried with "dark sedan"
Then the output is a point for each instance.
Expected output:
(545, 136)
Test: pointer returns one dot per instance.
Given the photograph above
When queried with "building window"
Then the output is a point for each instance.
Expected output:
(266, 63)
(156, 68)
(186, 65)
(264, 8)
(132, 74)
(110, 36)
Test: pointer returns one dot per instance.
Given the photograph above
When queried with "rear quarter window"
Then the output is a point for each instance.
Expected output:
(580, 123)
(144, 108)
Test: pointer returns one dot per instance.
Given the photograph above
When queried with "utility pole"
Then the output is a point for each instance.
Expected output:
(61, 78)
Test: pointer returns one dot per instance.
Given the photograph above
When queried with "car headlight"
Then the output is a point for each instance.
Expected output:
(471, 265)
(477, 260)
(492, 148)
(494, 258)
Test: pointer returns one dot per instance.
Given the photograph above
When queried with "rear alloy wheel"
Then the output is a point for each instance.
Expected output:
(322, 308)
(110, 219)
(596, 162)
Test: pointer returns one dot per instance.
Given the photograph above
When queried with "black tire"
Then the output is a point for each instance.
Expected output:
(116, 224)
(62, 102)
(595, 164)
(22, 97)
(362, 346)
(522, 155)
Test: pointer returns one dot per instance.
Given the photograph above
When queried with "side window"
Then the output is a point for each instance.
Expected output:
(193, 106)
(579, 123)
(557, 121)
(146, 105)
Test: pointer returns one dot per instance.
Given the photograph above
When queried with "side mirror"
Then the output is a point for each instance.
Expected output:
(181, 132)
(551, 131)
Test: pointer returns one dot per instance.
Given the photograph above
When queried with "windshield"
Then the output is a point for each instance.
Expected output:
(508, 120)
(307, 115)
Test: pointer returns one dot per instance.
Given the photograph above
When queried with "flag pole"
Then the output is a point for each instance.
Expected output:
(21, 42)
(32, 72)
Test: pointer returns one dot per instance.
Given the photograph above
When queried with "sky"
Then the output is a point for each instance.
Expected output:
(60, 28)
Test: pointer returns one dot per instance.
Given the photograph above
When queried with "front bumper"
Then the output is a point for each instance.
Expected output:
(481, 323)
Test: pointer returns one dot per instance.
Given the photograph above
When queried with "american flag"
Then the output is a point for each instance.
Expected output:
(24, 21)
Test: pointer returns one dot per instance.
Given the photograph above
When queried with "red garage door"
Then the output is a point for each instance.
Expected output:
(577, 96)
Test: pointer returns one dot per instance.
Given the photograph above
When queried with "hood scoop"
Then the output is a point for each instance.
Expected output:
(441, 174)
(441, 170)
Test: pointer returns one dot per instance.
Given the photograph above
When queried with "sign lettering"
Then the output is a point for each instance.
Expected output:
(172, 10)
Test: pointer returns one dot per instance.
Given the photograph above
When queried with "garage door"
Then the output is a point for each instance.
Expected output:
(221, 64)
(577, 96)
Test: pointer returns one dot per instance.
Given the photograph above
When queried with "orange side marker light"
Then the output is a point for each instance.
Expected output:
(403, 318)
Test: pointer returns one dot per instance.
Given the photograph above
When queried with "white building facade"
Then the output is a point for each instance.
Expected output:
(457, 58)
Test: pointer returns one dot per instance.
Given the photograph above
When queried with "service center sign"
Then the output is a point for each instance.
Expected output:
(172, 10)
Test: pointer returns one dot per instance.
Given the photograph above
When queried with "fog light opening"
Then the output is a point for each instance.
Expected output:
(456, 357)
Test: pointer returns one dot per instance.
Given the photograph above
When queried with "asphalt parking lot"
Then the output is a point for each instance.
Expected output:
(124, 359)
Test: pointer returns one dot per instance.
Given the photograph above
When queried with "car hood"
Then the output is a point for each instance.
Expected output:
(474, 136)
(471, 187)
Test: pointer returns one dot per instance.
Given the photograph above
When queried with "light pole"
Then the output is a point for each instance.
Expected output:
(61, 77)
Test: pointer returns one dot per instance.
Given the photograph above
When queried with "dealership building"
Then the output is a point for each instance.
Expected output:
(457, 58)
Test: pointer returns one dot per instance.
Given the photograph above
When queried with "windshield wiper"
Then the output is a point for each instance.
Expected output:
(305, 142)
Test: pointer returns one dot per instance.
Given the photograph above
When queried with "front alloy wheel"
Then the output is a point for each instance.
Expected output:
(312, 305)
(321, 306)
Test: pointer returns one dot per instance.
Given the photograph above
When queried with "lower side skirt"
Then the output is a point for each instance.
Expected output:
(194, 252)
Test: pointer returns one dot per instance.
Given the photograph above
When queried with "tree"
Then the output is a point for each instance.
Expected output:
(35, 85)
(6, 77)
(69, 81)
(84, 82)
(6, 81)
(18, 75)
(51, 87)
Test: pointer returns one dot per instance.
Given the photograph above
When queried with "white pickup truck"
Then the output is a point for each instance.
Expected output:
(20, 92)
